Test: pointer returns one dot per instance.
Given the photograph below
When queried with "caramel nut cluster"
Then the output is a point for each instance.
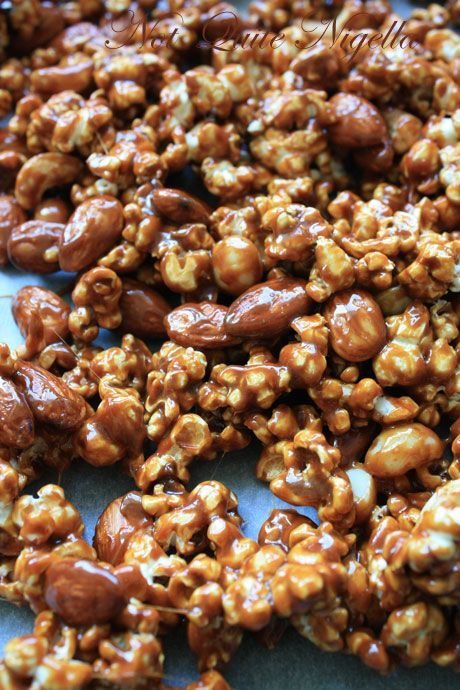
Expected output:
(272, 234)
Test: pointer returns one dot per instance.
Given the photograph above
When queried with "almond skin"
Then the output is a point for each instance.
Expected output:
(11, 215)
(30, 242)
(267, 309)
(82, 592)
(358, 122)
(143, 310)
(49, 397)
(32, 303)
(16, 419)
(199, 325)
(180, 207)
(236, 264)
(122, 518)
(356, 324)
(93, 228)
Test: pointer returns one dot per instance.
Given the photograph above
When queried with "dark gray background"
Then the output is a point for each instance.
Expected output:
(295, 663)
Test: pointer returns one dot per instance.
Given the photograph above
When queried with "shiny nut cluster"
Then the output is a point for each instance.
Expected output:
(273, 233)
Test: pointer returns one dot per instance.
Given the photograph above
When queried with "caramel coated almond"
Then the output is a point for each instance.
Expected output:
(199, 325)
(82, 592)
(267, 309)
(49, 397)
(16, 420)
(92, 230)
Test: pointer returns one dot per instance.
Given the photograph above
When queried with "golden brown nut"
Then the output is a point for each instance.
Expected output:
(398, 449)
(180, 207)
(16, 420)
(49, 397)
(142, 309)
(41, 172)
(93, 228)
(356, 324)
(41, 316)
(33, 246)
(199, 326)
(358, 124)
(52, 211)
(73, 73)
(82, 592)
(120, 520)
(267, 309)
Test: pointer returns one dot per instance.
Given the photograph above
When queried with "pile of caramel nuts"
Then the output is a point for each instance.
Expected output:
(305, 299)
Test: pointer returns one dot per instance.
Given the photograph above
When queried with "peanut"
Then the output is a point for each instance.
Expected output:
(398, 449)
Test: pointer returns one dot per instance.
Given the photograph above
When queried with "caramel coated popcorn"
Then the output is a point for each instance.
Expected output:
(271, 232)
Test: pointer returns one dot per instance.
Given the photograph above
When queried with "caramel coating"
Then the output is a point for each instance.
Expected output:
(356, 325)
(52, 211)
(41, 172)
(236, 264)
(17, 422)
(358, 123)
(180, 207)
(50, 399)
(266, 309)
(122, 518)
(396, 450)
(142, 310)
(199, 325)
(11, 215)
(82, 593)
(33, 246)
(41, 316)
(92, 229)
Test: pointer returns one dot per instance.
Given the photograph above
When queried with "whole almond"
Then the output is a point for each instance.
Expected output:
(49, 397)
(356, 325)
(180, 207)
(93, 228)
(358, 122)
(16, 419)
(122, 518)
(52, 211)
(35, 308)
(82, 592)
(11, 215)
(267, 309)
(142, 309)
(33, 246)
(199, 325)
